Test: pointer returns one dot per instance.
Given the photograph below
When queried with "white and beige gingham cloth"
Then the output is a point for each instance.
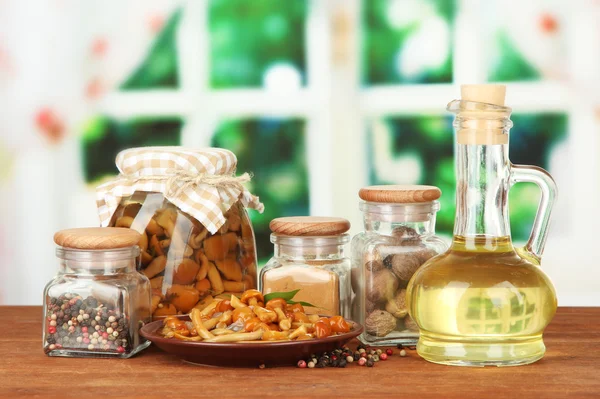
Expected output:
(200, 182)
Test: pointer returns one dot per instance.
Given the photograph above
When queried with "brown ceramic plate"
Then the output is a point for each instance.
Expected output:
(246, 354)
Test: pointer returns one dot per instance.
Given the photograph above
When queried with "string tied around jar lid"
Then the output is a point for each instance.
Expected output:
(177, 181)
(199, 182)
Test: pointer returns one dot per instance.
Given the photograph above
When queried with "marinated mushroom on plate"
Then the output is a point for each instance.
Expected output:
(250, 319)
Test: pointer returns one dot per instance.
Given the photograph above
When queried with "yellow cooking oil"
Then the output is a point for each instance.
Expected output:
(481, 303)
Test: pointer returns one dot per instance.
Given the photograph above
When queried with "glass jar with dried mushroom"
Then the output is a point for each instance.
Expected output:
(309, 257)
(97, 302)
(399, 237)
(196, 241)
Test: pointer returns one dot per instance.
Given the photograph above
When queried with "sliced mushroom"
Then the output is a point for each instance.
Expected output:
(233, 286)
(157, 282)
(146, 258)
(183, 297)
(204, 265)
(155, 267)
(202, 285)
(237, 337)
(196, 317)
(265, 315)
(132, 209)
(196, 240)
(236, 303)
(298, 332)
(166, 220)
(154, 229)
(230, 269)
(271, 335)
(186, 272)
(164, 309)
(143, 243)
(215, 279)
(201, 305)
(155, 246)
(124, 221)
(218, 246)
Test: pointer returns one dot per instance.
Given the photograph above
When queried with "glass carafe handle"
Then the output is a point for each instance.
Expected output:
(539, 232)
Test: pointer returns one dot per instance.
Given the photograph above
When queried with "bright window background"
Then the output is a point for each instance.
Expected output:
(316, 98)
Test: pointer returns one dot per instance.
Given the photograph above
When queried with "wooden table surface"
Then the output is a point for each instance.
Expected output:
(571, 368)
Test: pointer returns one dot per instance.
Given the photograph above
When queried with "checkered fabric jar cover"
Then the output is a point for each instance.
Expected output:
(200, 182)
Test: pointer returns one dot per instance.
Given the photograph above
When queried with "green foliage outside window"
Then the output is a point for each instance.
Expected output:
(247, 37)
(104, 137)
(387, 31)
(429, 140)
(274, 151)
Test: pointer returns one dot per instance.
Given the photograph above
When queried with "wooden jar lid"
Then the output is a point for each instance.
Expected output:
(403, 194)
(97, 238)
(309, 226)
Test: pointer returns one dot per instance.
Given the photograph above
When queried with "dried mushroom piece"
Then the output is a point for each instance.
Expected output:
(381, 286)
(380, 323)
(405, 264)
(397, 305)
(374, 266)
(410, 324)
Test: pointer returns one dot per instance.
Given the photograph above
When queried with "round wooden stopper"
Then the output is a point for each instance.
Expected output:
(402, 194)
(309, 226)
(97, 238)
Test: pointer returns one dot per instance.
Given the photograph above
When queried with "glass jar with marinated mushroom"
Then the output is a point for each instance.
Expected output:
(309, 257)
(97, 303)
(197, 241)
(399, 237)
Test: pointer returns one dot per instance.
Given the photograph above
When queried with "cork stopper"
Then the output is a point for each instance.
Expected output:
(401, 194)
(97, 238)
(489, 94)
(309, 226)
(482, 116)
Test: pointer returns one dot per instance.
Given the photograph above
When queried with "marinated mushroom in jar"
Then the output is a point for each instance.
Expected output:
(183, 260)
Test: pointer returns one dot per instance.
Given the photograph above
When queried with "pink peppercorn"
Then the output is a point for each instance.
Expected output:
(86, 340)
(120, 349)
(302, 364)
(389, 352)
(84, 330)
(383, 356)
(51, 330)
(362, 361)
(85, 334)
(363, 355)
(105, 335)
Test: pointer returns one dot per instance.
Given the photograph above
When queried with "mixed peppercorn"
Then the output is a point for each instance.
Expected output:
(341, 357)
(85, 324)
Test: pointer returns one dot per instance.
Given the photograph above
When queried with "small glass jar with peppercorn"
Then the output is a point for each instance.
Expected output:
(97, 302)
(399, 237)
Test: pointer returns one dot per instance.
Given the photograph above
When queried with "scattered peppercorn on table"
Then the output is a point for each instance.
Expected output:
(570, 369)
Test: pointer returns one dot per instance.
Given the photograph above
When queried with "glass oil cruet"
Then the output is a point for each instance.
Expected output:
(484, 302)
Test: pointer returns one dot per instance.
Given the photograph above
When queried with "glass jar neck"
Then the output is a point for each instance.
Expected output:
(482, 171)
(383, 218)
(97, 262)
(309, 248)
